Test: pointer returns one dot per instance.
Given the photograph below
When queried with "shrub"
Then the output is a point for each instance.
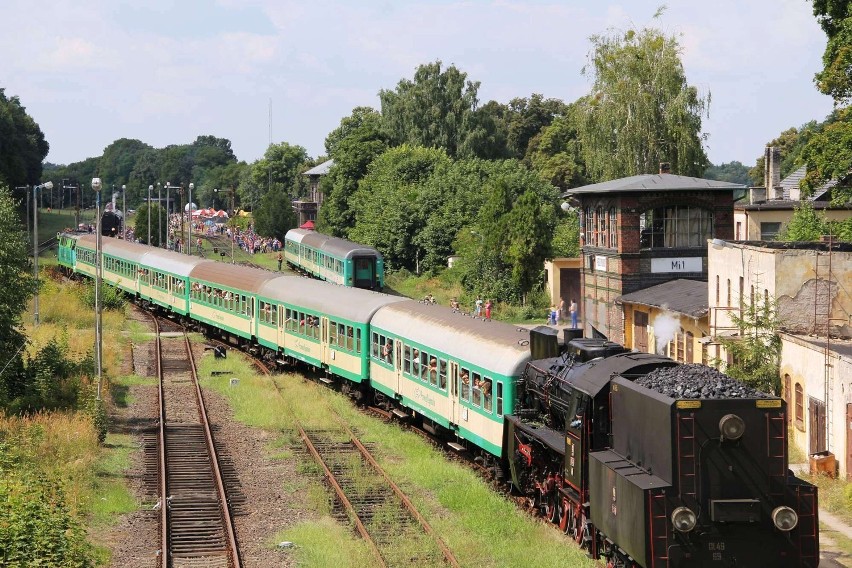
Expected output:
(111, 298)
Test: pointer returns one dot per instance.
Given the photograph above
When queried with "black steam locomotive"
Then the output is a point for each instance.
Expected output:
(647, 462)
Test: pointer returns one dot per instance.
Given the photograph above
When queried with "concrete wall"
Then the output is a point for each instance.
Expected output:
(750, 220)
(786, 275)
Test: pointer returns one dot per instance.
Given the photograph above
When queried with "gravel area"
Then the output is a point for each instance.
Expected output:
(696, 381)
(264, 507)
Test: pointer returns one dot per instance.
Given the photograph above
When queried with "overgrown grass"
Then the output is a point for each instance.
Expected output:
(835, 495)
(326, 543)
(480, 526)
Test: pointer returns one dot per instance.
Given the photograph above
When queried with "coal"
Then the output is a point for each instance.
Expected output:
(696, 381)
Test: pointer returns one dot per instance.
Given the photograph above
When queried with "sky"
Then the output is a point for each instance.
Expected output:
(92, 71)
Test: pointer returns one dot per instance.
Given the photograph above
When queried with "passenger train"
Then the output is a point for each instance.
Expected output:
(335, 260)
(635, 477)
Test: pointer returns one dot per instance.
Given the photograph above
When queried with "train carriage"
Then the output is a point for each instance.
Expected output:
(163, 275)
(458, 372)
(224, 296)
(335, 260)
(319, 323)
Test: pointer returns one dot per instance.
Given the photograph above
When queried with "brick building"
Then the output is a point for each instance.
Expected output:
(641, 231)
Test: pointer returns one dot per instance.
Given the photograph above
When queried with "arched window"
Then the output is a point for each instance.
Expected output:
(589, 224)
(800, 406)
(678, 226)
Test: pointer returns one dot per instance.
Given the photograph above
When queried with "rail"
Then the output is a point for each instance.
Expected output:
(195, 522)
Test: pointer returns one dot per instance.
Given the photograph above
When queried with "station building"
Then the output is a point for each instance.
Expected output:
(643, 231)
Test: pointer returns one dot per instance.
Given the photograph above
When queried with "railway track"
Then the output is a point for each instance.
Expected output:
(195, 517)
(396, 533)
(381, 512)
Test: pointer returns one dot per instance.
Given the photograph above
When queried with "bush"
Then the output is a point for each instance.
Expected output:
(111, 298)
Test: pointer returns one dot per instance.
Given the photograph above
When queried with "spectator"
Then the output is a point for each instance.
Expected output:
(280, 259)
(572, 309)
(477, 310)
(488, 306)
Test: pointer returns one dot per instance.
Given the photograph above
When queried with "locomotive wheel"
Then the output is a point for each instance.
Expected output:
(565, 515)
(551, 509)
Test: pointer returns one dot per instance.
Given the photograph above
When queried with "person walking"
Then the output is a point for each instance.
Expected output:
(280, 260)
(572, 309)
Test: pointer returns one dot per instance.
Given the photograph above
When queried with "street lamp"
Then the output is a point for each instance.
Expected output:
(159, 215)
(124, 212)
(189, 229)
(96, 186)
(48, 186)
(150, 188)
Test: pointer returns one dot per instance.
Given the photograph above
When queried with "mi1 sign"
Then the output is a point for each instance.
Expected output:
(689, 264)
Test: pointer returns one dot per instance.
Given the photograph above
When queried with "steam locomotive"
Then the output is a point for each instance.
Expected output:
(647, 462)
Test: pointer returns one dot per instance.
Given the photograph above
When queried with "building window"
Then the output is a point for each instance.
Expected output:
(800, 407)
(675, 227)
(739, 230)
(729, 293)
(613, 228)
(769, 231)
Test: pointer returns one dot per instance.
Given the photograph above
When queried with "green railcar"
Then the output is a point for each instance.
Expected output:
(335, 260)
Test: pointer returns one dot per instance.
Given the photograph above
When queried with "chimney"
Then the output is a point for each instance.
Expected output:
(665, 168)
(772, 173)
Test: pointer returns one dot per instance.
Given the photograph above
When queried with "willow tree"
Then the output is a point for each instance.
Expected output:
(641, 110)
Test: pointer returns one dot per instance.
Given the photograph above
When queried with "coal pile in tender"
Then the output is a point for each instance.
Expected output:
(696, 381)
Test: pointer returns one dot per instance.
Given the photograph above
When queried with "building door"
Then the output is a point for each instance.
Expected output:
(849, 441)
(816, 410)
(640, 331)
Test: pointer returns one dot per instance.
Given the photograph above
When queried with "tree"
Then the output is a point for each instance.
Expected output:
(282, 165)
(389, 205)
(353, 146)
(434, 110)
(274, 216)
(732, 172)
(756, 352)
(828, 155)
(22, 144)
(835, 79)
(641, 110)
(805, 225)
(119, 159)
(527, 118)
(566, 235)
(18, 285)
(556, 154)
(140, 227)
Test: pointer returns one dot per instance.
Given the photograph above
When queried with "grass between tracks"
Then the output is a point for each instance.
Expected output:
(479, 525)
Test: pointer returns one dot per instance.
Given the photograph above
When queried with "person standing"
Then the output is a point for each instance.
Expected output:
(560, 314)
(477, 311)
(280, 260)
(572, 309)
(488, 306)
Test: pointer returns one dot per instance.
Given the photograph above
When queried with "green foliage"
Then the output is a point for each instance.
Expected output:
(159, 224)
(527, 117)
(353, 145)
(111, 298)
(48, 380)
(805, 225)
(835, 79)
(275, 216)
(828, 155)
(36, 525)
(23, 145)
(731, 172)
(641, 110)
(434, 110)
(756, 352)
(556, 153)
(791, 146)
(281, 167)
(18, 285)
(392, 205)
(566, 236)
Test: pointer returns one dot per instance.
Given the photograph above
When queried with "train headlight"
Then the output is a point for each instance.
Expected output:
(732, 427)
(683, 519)
(785, 518)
